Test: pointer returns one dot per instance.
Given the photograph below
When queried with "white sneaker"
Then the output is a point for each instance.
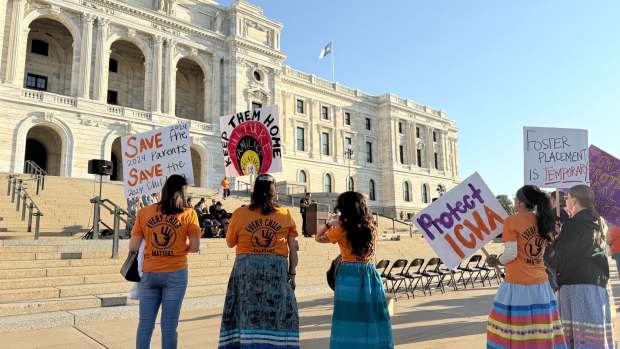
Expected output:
(134, 292)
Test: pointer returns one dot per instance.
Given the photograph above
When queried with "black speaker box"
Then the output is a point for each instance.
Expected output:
(100, 167)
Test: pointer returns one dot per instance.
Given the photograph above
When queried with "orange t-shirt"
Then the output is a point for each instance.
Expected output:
(255, 233)
(338, 235)
(165, 236)
(529, 267)
(225, 184)
(614, 239)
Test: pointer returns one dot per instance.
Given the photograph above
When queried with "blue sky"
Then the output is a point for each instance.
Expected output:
(494, 66)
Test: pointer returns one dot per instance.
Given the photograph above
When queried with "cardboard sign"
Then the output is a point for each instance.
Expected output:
(149, 158)
(252, 142)
(555, 157)
(462, 221)
(605, 183)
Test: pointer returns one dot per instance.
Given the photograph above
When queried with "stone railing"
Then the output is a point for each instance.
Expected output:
(129, 112)
(199, 125)
(51, 98)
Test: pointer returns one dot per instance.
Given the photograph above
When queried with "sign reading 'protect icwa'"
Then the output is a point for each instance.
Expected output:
(149, 158)
(252, 142)
(555, 157)
(462, 221)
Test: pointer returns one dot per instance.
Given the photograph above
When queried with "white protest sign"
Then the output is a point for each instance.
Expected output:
(149, 158)
(252, 142)
(555, 157)
(462, 221)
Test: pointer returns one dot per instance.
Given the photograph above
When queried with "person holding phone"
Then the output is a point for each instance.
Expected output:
(361, 318)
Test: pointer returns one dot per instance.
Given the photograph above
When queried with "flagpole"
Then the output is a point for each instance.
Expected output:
(333, 63)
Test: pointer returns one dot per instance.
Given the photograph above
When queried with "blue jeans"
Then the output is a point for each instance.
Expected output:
(617, 258)
(167, 289)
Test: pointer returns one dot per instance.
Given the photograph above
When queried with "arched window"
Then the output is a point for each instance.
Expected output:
(371, 191)
(350, 184)
(407, 192)
(327, 183)
(425, 194)
(301, 177)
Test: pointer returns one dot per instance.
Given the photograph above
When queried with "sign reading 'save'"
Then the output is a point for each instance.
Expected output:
(462, 221)
(149, 158)
(555, 157)
(252, 142)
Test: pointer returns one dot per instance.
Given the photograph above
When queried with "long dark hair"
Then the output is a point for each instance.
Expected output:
(534, 198)
(356, 219)
(264, 194)
(173, 199)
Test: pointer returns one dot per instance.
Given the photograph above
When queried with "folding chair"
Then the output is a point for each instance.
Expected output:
(415, 275)
(492, 272)
(382, 269)
(453, 273)
(471, 267)
(397, 278)
(430, 272)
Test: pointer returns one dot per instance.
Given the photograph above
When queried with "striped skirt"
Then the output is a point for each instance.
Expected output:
(525, 316)
(586, 317)
(361, 319)
(260, 311)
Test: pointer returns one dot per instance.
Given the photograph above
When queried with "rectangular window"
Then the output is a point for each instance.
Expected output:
(256, 105)
(417, 132)
(112, 97)
(347, 147)
(401, 154)
(434, 136)
(40, 47)
(419, 157)
(368, 124)
(400, 127)
(36, 82)
(325, 143)
(436, 161)
(113, 66)
(325, 113)
(301, 139)
(347, 118)
(299, 106)
(369, 152)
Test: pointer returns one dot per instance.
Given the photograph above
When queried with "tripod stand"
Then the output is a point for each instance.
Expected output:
(93, 232)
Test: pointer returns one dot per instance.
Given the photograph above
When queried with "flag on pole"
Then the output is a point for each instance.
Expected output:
(326, 50)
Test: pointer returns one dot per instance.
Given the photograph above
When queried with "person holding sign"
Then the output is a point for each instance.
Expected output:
(165, 228)
(361, 318)
(525, 299)
(583, 274)
(260, 310)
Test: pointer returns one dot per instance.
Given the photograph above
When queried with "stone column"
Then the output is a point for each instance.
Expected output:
(102, 61)
(444, 150)
(170, 78)
(430, 149)
(18, 36)
(412, 144)
(86, 54)
(157, 73)
(216, 87)
(206, 106)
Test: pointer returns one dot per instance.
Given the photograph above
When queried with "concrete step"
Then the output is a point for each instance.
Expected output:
(49, 305)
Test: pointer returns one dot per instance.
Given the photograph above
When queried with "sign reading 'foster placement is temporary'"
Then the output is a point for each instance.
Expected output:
(149, 158)
(555, 157)
(462, 221)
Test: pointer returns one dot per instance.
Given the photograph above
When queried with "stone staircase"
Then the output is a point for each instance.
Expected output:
(62, 280)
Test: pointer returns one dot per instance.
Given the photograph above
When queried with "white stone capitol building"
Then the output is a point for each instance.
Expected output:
(76, 75)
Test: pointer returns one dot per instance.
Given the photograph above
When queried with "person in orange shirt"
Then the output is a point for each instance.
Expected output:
(225, 184)
(361, 318)
(260, 310)
(614, 244)
(165, 228)
(525, 300)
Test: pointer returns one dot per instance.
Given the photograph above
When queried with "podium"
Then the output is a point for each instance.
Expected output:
(315, 219)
